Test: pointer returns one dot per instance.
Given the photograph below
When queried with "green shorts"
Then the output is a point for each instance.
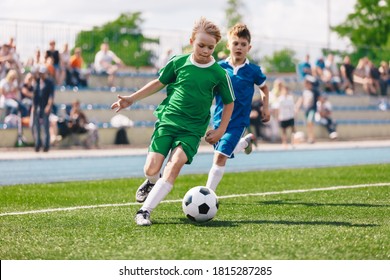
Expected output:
(165, 139)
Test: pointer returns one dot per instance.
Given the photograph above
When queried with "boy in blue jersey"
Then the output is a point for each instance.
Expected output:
(244, 75)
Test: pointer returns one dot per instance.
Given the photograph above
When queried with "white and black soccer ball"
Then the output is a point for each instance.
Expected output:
(200, 204)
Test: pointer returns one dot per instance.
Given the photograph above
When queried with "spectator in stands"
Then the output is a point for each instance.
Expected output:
(324, 115)
(34, 61)
(51, 70)
(319, 67)
(9, 60)
(285, 111)
(255, 118)
(331, 77)
(42, 106)
(359, 75)
(308, 101)
(346, 72)
(56, 58)
(275, 92)
(304, 68)
(107, 63)
(9, 93)
(384, 77)
(65, 65)
(78, 124)
(362, 76)
(27, 93)
(78, 75)
(374, 77)
(5, 58)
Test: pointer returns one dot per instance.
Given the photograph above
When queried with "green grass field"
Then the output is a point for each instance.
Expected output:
(274, 222)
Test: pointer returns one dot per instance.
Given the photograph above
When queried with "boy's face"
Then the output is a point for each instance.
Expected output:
(203, 45)
(238, 47)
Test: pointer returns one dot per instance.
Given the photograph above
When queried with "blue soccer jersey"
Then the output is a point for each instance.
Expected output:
(244, 78)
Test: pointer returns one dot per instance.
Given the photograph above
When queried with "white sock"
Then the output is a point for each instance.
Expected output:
(241, 145)
(156, 195)
(153, 179)
(215, 176)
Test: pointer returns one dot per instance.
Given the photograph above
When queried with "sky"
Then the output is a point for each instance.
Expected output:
(272, 22)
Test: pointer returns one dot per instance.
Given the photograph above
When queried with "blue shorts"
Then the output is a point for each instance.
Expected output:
(229, 141)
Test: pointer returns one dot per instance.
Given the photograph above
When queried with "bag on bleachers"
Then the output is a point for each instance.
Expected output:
(121, 137)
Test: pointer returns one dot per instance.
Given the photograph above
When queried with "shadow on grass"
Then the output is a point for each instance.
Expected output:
(315, 204)
(219, 223)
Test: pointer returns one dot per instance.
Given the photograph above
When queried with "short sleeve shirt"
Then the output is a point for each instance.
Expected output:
(244, 78)
(191, 88)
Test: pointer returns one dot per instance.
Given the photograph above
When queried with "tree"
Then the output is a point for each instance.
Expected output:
(368, 29)
(233, 16)
(282, 61)
(232, 12)
(124, 36)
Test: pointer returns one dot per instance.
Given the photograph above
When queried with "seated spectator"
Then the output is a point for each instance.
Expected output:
(9, 92)
(27, 93)
(362, 76)
(5, 57)
(77, 75)
(33, 62)
(304, 68)
(324, 116)
(77, 123)
(318, 70)
(346, 72)
(308, 101)
(374, 77)
(107, 62)
(9, 59)
(384, 77)
(331, 77)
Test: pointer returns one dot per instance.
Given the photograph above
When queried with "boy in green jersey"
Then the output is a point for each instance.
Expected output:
(183, 117)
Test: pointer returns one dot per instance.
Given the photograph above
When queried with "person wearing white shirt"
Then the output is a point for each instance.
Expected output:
(107, 63)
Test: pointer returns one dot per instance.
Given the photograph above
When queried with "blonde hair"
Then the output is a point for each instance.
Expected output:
(204, 25)
(12, 74)
(241, 31)
(278, 87)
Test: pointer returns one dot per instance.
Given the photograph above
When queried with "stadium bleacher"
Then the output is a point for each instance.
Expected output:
(358, 116)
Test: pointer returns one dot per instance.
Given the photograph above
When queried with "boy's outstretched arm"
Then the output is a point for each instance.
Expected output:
(213, 136)
(147, 90)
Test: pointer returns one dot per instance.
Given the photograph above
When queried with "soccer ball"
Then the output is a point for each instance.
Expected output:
(200, 204)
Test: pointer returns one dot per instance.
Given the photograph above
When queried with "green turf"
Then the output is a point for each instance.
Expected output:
(335, 224)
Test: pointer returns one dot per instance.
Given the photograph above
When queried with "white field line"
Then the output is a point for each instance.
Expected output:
(179, 200)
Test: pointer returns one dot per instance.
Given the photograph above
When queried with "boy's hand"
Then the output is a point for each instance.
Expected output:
(213, 136)
(123, 102)
(265, 115)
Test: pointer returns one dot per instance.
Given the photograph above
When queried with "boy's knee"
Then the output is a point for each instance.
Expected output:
(151, 171)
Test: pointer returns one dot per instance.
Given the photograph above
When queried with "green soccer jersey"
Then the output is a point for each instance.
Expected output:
(190, 91)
